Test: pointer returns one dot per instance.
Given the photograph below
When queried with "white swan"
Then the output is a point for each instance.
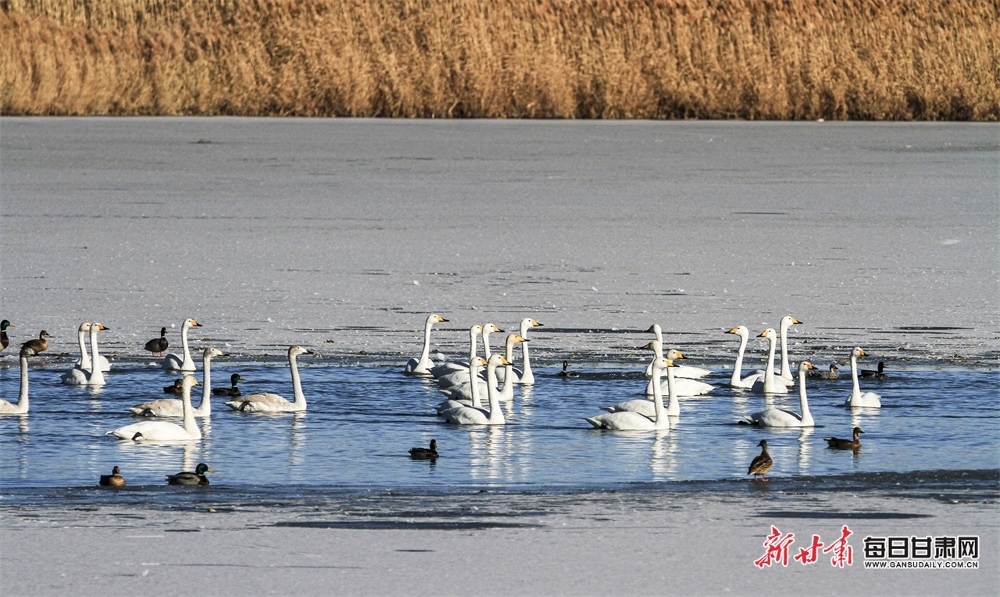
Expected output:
(647, 407)
(423, 364)
(468, 415)
(627, 420)
(769, 383)
(857, 399)
(452, 366)
(685, 371)
(737, 381)
(85, 362)
(776, 417)
(786, 366)
(273, 403)
(164, 431)
(684, 386)
(525, 375)
(184, 362)
(463, 391)
(473, 398)
(488, 328)
(172, 407)
(94, 376)
(21, 408)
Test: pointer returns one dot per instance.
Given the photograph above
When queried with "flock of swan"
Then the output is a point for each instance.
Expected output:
(473, 389)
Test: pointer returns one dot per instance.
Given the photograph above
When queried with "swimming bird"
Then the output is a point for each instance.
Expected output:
(627, 420)
(4, 340)
(762, 463)
(786, 365)
(566, 372)
(182, 362)
(845, 444)
(647, 407)
(115, 479)
(447, 367)
(174, 388)
(78, 376)
(876, 373)
(525, 376)
(430, 453)
(233, 390)
(769, 383)
(187, 478)
(683, 386)
(422, 365)
(470, 415)
(85, 362)
(474, 399)
(680, 371)
(272, 403)
(778, 417)
(158, 345)
(164, 431)
(172, 407)
(463, 391)
(737, 380)
(831, 374)
(21, 408)
(38, 344)
(857, 399)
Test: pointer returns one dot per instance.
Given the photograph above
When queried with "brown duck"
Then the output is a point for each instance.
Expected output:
(425, 453)
(38, 344)
(158, 345)
(845, 444)
(761, 464)
(115, 479)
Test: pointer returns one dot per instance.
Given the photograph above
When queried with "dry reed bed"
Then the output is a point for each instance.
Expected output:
(754, 59)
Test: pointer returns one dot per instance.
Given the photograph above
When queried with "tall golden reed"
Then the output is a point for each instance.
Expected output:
(752, 59)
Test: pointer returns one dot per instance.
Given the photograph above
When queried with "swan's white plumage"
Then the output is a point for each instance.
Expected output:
(182, 362)
(769, 383)
(737, 380)
(857, 399)
(447, 367)
(463, 391)
(21, 407)
(85, 362)
(422, 365)
(627, 420)
(78, 376)
(683, 386)
(786, 366)
(777, 417)
(647, 407)
(680, 371)
(273, 403)
(164, 431)
(468, 415)
(172, 407)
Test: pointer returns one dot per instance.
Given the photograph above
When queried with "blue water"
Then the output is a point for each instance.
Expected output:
(362, 419)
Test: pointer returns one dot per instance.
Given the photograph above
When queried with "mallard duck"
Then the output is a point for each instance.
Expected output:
(186, 478)
(874, 374)
(566, 372)
(762, 463)
(231, 391)
(820, 374)
(38, 344)
(174, 388)
(425, 453)
(115, 479)
(845, 444)
(158, 345)
(4, 340)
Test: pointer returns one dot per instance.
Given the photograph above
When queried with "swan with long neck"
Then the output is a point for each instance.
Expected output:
(182, 362)
(474, 391)
(682, 371)
(85, 362)
(463, 391)
(776, 417)
(78, 376)
(468, 415)
(648, 407)
(627, 420)
(786, 367)
(422, 365)
(857, 399)
(769, 383)
(272, 403)
(164, 431)
(684, 386)
(21, 407)
(172, 407)
(447, 367)
(525, 376)
(737, 380)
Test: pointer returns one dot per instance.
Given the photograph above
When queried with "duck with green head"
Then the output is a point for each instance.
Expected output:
(4, 340)
(188, 478)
